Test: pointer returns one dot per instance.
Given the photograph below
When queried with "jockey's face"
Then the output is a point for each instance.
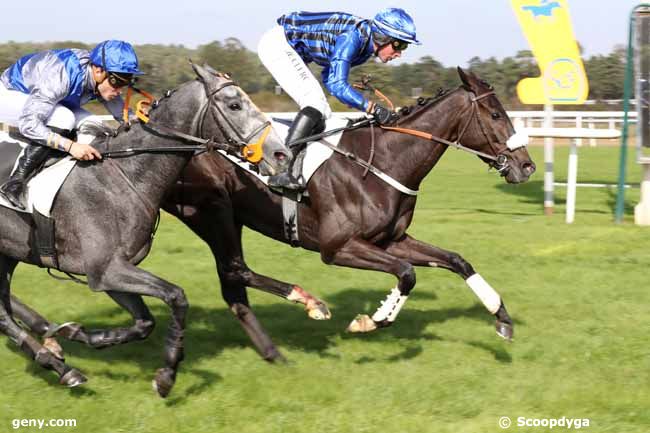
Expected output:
(388, 53)
(104, 88)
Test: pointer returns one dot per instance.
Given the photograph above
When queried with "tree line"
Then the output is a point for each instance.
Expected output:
(167, 66)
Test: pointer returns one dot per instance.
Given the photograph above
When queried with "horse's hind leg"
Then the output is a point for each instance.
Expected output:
(214, 224)
(421, 254)
(237, 300)
(34, 350)
(224, 238)
(37, 324)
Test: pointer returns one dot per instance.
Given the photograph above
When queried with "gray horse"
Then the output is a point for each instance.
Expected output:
(106, 211)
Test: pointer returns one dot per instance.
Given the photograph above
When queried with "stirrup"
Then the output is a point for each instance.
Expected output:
(11, 196)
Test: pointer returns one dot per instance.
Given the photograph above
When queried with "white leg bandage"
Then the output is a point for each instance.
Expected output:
(391, 307)
(485, 293)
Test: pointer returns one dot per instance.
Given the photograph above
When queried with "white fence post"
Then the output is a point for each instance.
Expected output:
(548, 162)
(572, 177)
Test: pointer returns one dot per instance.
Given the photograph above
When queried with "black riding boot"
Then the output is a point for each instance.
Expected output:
(13, 189)
(308, 121)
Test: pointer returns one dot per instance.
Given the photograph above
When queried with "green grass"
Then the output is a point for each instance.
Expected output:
(579, 295)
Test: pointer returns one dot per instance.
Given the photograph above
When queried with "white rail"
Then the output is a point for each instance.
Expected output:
(574, 134)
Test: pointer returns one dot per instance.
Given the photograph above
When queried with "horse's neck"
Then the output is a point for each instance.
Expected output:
(153, 173)
(418, 157)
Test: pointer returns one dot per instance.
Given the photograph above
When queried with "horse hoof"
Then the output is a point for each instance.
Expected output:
(164, 381)
(54, 348)
(505, 330)
(362, 323)
(277, 359)
(67, 330)
(317, 310)
(73, 378)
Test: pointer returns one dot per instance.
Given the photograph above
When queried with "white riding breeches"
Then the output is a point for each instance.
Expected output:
(291, 72)
(13, 101)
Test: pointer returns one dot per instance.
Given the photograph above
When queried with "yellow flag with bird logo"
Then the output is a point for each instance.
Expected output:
(547, 27)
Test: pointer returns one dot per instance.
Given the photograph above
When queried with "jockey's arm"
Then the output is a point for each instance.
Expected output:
(336, 75)
(52, 87)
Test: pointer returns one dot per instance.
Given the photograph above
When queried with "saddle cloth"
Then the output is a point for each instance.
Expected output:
(315, 154)
(42, 188)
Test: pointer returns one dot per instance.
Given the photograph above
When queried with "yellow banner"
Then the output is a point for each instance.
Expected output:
(547, 26)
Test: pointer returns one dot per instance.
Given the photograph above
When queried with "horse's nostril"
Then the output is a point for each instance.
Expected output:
(280, 156)
(529, 168)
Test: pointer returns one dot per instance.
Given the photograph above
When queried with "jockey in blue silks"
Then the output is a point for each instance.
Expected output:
(42, 94)
(336, 41)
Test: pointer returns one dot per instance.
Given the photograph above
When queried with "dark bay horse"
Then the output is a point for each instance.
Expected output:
(106, 212)
(352, 221)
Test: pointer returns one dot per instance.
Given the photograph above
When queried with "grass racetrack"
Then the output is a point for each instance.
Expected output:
(579, 296)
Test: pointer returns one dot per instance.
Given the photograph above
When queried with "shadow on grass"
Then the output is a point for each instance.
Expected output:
(628, 206)
(533, 193)
(213, 330)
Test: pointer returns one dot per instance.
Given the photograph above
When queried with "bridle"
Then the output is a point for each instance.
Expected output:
(252, 152)
(499, 161)
(240, 147)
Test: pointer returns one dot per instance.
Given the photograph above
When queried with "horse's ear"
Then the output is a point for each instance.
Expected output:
(463, 77)
(210, 69)
(201, 72)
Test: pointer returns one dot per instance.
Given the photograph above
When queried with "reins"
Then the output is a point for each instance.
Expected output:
(499, 159)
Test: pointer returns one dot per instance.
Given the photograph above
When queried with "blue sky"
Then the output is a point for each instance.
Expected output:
(452, 31)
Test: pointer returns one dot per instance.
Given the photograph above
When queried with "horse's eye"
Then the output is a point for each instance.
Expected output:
(235, 106)
(496, 115)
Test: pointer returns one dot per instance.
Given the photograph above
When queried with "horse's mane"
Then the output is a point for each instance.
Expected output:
(409, 111)
(100, 131)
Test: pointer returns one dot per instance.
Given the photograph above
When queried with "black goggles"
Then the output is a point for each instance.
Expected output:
(399, 45)
(117, 80)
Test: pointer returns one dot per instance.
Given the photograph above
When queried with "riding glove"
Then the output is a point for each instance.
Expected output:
(382, 114)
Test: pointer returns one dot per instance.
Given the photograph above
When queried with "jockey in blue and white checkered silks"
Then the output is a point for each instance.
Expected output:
(42, 94)
(336, 41)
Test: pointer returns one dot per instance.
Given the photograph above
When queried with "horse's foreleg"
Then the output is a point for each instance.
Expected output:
(421, 254)
(142, 327)
(360, 254)
(97, 338)
(122, 277)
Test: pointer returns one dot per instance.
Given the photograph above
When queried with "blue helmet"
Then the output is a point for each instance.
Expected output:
(397, 24)
(115, 56)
